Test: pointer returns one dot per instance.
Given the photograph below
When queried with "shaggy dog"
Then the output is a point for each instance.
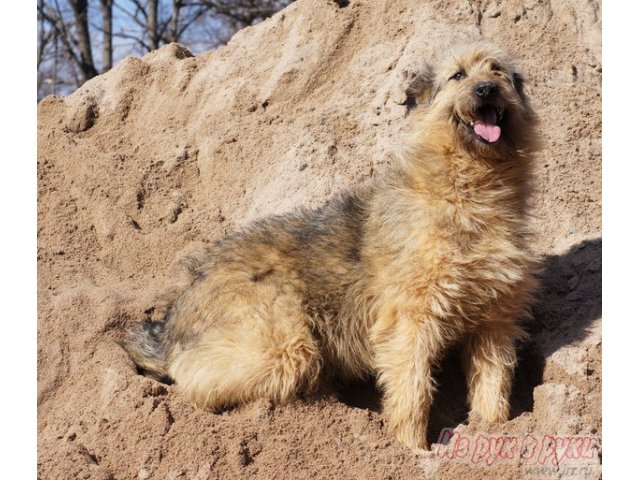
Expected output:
(381, 280)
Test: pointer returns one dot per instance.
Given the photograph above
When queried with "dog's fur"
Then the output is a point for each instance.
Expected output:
(381, 280)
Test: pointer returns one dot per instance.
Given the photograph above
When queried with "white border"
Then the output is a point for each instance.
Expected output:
(621, 240)
(19, 209)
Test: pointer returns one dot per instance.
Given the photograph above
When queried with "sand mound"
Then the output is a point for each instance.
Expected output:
(164, 153)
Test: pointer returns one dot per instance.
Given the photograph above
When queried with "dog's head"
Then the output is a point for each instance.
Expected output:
(477, 92)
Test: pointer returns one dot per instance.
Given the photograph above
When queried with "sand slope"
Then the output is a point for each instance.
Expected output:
(161, 154)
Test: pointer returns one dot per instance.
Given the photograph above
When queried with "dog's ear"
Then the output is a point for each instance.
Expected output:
(420, 88)
(518, 83)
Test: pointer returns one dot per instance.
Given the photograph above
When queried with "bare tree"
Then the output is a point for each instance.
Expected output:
(45, 34)
(152, 24)
(246, 12)
(57, 59)
(83, 40)
(233, 15)
(46, 69)
(208, 23)
(65, 57)
(106, 9)
(69, 29)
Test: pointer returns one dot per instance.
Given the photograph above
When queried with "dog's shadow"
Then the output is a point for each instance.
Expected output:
(569, 301)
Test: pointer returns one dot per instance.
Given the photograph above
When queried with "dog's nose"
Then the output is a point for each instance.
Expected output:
(486, 89)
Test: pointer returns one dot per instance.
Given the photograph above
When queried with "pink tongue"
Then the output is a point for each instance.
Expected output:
(485, 126)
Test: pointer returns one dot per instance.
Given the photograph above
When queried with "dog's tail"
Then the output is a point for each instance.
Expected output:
(149, 344)
(147, 347)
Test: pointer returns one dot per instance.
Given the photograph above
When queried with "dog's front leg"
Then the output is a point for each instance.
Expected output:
(489, 357)
(405, 356)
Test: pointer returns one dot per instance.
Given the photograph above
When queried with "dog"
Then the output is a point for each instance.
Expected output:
(383, 279)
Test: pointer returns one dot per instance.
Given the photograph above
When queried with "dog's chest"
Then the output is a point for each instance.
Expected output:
(465, 268)
(476, 281)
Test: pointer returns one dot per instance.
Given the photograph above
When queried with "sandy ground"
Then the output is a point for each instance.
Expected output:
(162, 154)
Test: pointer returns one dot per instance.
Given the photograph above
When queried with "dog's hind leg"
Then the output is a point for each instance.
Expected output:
(263, 347)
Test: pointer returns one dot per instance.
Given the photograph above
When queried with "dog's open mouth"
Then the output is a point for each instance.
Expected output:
(486, 123)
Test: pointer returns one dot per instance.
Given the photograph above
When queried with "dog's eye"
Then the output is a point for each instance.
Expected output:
(495, 68)
(459, 75)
